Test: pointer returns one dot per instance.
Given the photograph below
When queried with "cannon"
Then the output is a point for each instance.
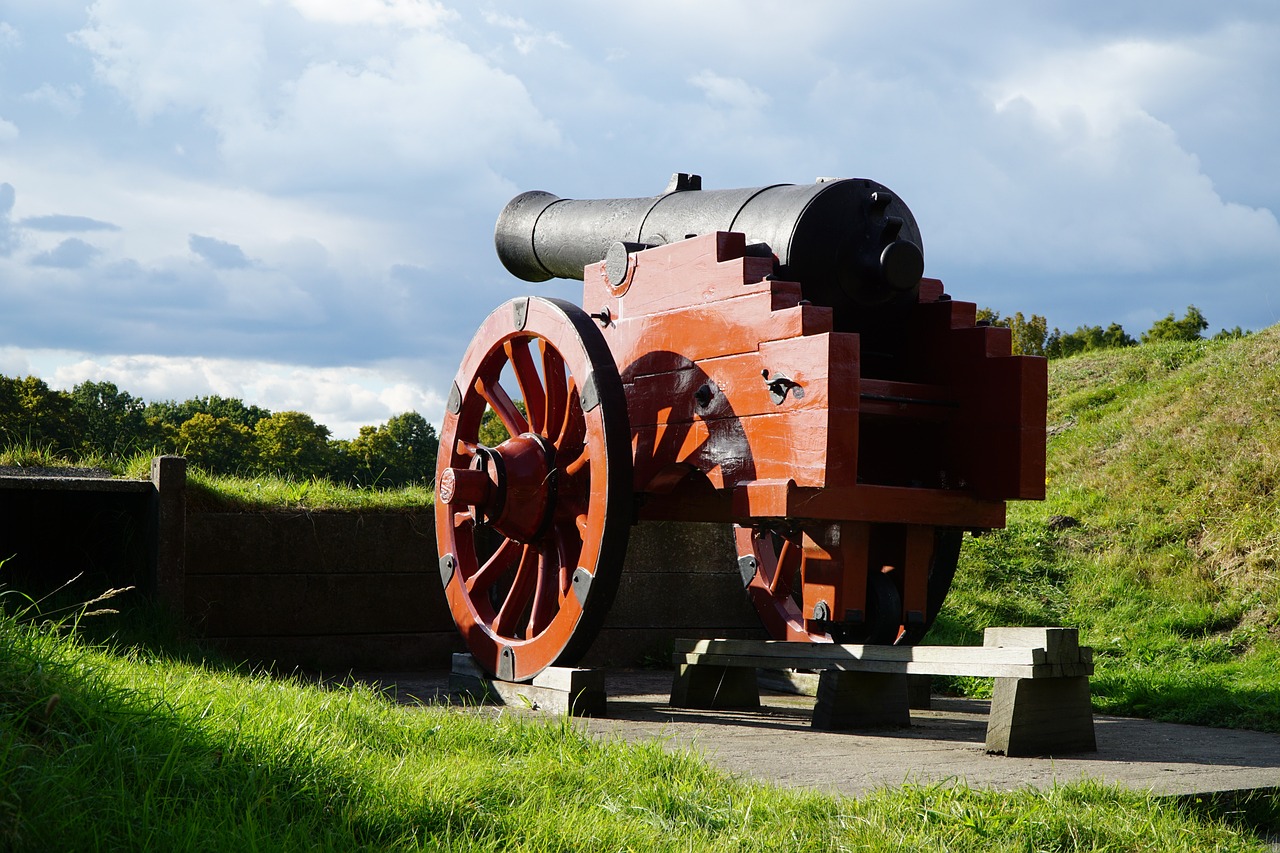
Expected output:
(771, 357)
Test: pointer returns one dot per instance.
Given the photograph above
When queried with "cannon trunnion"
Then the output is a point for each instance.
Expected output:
(770, 357)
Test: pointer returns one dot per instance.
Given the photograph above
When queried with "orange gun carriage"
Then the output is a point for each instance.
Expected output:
(791, 372)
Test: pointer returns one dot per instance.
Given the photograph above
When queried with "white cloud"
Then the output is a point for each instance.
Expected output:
(9, 35)
(343, 399)
(8, 130)
(413, 14)
(209, 57)
(732, 92)
(398, 99)
(65, 100)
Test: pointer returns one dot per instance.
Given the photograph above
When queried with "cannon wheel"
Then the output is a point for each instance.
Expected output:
(774, 588)
(532, 532)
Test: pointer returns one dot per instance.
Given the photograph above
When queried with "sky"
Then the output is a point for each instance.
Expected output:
(292, 201)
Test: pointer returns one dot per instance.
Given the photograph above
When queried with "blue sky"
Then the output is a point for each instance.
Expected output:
(292, 201)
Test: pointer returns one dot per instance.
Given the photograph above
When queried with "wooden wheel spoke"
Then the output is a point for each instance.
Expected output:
(498, 399)
(780, 583)
(506, 622)
(484, 578)
(578, 462)
(535, 396)
(546, 603)
(553, 373)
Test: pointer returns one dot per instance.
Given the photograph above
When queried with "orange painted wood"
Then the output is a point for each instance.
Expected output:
(703, 269)
(782, 497)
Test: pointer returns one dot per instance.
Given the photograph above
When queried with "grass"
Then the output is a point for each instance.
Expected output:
(1164, 456)
(209, 493)
(150, 745)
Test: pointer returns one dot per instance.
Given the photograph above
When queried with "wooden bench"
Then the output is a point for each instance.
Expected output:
(1040, 702)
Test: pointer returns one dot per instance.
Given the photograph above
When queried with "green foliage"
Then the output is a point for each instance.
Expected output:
(1169, 329)
(113, 420)
(292, 443)
(234, 410)
(1059, 344)
(216, 444)
(401, 451)
(34, 413)
(134, 746)
(1029, 334)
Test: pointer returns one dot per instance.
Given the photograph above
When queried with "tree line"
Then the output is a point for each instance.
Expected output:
(222, 435)
(1031, 335)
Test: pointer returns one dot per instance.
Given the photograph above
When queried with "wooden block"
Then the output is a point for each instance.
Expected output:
(861, 700)
(1061, 645)
(920, 692)
(715, 687)
(1051, 716)
(555, 690)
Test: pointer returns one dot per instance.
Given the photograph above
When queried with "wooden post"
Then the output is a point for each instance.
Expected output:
(1040, 716)
(169, 536)
(1050, 716)
(715, 686)
(861, 700)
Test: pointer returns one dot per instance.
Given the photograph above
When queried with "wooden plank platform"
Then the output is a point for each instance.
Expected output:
(1040, 703)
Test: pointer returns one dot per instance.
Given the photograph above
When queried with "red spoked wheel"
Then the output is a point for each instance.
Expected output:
(772, 561)
(532, 531)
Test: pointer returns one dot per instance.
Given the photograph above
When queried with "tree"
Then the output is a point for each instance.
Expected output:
(231, 408)
(417, 443)
(401, 451)
(292, 444)
(1169, 329)
(1028, 334)
(215, 444)
(1061, 344)
(113, 420)
(34, 413)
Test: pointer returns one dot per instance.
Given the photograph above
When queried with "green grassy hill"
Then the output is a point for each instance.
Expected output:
(1160, 535)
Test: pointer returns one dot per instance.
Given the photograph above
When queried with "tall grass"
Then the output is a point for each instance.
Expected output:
(128, 747)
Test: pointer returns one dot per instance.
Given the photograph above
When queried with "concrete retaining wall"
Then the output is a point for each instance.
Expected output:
(332, 591)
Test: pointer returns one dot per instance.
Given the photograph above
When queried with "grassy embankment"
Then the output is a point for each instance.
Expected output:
(1164, 456)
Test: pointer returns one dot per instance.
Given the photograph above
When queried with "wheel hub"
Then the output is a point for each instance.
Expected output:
(511, 487)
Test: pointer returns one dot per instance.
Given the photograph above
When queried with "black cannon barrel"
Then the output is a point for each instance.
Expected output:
(850, 243)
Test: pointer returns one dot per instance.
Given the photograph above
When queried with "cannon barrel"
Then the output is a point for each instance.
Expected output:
(850, 243)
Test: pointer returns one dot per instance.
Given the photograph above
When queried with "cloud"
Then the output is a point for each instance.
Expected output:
(220, 255)
(8, 239)
(342, 398)
(64, 223)
(65, 101)
(411, 14)
(732, 92)
(380, 95)
(8, 130)
(72, 253)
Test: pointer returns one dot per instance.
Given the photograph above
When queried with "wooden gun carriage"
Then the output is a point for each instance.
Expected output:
(770, 357)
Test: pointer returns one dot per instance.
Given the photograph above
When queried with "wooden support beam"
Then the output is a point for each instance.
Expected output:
(556, 690)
